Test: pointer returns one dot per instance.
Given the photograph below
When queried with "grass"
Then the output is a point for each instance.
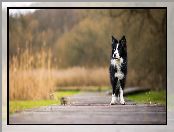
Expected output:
(152, 97)
(18, 105)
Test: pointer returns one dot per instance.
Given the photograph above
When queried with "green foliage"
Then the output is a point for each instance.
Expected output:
(152, 97)
(60, 94)
(19, 105)
(16, 106)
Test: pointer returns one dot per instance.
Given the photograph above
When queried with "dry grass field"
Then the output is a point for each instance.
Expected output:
(25, 82)
(33, 77)
(40, 83)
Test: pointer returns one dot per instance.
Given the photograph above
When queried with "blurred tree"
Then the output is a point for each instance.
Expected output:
(83, 38)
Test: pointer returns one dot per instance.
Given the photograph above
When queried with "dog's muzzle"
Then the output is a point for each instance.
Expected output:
(115, 58)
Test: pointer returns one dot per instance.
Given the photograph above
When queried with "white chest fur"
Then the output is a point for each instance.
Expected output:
(117, 64)
(119, 75)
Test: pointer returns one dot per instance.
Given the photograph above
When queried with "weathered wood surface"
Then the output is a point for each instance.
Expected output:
(92, 108)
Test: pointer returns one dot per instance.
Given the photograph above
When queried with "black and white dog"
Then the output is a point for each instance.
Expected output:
(118, 69)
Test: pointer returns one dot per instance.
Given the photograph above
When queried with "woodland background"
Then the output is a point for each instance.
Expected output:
(70, 48)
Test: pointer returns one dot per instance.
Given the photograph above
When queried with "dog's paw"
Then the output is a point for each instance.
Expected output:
(122, 102)
(113, 103)
(114, 100)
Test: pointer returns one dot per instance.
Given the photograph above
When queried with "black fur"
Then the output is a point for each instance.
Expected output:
(122, 51)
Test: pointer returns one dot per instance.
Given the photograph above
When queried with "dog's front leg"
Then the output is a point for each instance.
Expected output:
(121, 96)
(113, 82)
(114, 100)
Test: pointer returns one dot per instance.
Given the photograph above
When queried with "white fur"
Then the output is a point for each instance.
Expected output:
(121, 60)
(116, 52)
(114, 99)
(121, 96)
(117, 64)
(119, 75)
(113, 62)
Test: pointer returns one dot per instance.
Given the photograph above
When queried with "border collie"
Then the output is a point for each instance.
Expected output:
(118, 69)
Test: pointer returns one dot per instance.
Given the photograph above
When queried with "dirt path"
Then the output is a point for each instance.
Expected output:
(92, 108)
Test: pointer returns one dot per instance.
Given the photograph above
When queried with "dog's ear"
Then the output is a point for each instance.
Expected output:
(114, 40)
(123, 41)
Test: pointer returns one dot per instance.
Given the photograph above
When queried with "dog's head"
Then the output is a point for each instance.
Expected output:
(119, 48)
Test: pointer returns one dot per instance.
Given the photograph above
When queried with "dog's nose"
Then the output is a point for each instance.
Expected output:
(114, 55)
